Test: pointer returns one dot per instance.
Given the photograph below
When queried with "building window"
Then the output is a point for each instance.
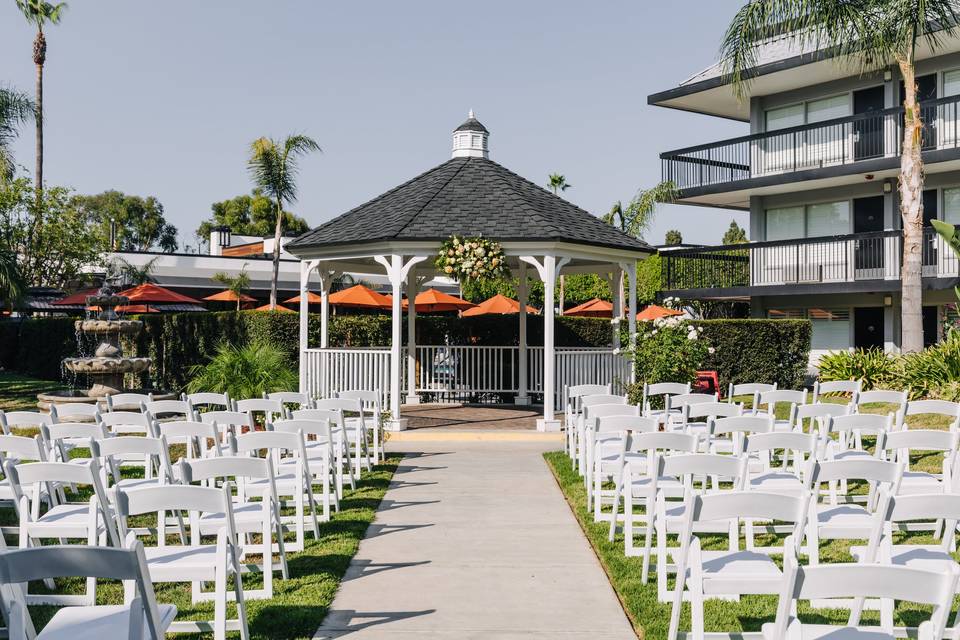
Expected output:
(811, 221)
(951, 205)
(831, 327)
(808, 112)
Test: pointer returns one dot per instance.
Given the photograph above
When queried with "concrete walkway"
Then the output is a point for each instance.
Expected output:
(474, 540)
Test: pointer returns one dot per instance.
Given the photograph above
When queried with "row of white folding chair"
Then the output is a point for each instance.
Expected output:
(572, 408)
(139, 618)
(370, 410)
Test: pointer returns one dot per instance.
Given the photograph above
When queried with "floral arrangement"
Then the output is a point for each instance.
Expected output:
(471, 259)
(670, 349)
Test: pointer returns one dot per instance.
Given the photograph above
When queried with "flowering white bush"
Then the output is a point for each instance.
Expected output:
(670, 349)
(471, 259)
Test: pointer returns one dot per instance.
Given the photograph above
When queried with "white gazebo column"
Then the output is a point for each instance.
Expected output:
(631, 270)
(306, 266)
(617, 314)
(326, 279)
(522, 397)
(412, 397)
(549, 271)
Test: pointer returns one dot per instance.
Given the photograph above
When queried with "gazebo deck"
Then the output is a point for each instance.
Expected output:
(470, 417)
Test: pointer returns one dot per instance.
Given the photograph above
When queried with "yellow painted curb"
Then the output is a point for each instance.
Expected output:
(423, 435)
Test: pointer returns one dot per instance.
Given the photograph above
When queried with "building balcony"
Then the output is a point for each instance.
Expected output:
(832, 264)
(811, 156)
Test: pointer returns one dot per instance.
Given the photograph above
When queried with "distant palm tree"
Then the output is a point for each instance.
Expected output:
(132, 274)
(557, 181)
(636, 218)
(273, 166)
(12, 285)
(39, 13)
(15, 109)
(872, 35)
(237, 284)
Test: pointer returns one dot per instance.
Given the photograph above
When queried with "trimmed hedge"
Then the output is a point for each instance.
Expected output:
(758, 351)
(746, 350)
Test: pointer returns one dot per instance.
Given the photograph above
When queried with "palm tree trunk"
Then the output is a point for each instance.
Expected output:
(563, 291)
(276, 256)
(39, 57)
(911, 210)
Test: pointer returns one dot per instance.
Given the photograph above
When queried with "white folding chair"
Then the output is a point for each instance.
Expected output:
(751, 389)
(669, 517)
(197, 562)
(270, 409)
(91, 521)
(695, 418)
(301, 400)
(341, 457)
(572, 407)
(322, 454)
(661, 391)
(228, 422)
(13, 450)
(110, 454)
(167, 410)
(354, 428)
(728, 435)
(889, 583)
(590, 437)
(62, 438)
(127, 422)
(609, 434)
(731, 572)
(846, 520)
(75, 412)
(139, 618)
(834, 387)
(200, 439)
(261, 517)
(897, 446)
(880, 396)
(23, 419)
(208, 401)
(291, 480)
(770, 400)
(798, 455)
(580, 438)
(812, 417)
(849, 431)
(127, 401)
(945, 408)
(680, 401)
(370, 404)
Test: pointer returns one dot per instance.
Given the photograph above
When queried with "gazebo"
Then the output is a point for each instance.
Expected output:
(400, 232)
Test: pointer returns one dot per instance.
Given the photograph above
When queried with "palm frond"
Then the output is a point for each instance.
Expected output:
(15, 109)
(274, 165)
(40, 12)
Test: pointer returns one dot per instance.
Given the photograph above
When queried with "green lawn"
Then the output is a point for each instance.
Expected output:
(300, 603)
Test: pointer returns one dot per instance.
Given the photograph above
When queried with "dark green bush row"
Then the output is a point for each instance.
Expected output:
(758, 351)
(37, 347)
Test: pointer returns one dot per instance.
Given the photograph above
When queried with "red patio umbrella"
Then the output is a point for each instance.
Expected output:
(156, 294)
(497, 305)
(595, 308)
(78, 298)
(655, 311)
(432, 301)
(360, 297)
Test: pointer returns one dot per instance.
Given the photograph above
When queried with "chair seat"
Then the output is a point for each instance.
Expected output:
(742, 572)
(286, 481)
(248, 516)
(844, 521)
(916, 556)
(829, 632)
(675, 518)
(919, 482)
(67, 520)
(136, 483)
(181, 563)
(671, 487)
(99, 622)
(852, 454)
(777, 482)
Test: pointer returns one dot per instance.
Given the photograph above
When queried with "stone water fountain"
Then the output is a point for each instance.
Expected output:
(106, 368)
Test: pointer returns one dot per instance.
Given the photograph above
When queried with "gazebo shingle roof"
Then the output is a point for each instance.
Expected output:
(470, 196)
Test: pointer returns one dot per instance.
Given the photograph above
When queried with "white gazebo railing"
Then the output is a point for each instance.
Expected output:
(328, 371)
(449, 373)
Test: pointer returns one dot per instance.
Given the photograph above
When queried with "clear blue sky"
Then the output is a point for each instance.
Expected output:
(163, 98)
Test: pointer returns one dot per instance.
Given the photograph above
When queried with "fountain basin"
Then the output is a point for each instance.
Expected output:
(101, 327)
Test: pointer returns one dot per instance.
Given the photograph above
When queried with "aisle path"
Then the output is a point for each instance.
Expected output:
(474, 540)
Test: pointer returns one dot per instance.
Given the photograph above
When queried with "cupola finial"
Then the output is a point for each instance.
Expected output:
(470, 139)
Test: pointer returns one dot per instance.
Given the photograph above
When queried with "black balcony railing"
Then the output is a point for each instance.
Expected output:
(847, 258)
(841, 141)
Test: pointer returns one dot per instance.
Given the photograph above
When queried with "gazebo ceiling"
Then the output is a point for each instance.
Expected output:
(467, 195)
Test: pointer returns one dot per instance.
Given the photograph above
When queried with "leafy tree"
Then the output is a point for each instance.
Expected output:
(557, 182)
(673, 237)
(735, 234)
(51, 240)
(139, 222)
(237, 284)
(15, 109)
(649, 281)
(273, 167)
(38, 13)
(249, 215)
(635, 219)
(871, 34)
(12, 286)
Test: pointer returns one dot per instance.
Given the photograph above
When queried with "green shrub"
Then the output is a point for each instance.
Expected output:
(42, 344)
(877, 370)
(668, 350)
(936, 367)
(771, 351)
(246, 371)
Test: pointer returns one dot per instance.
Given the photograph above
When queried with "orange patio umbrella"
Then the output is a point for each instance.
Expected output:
(595, 308)
(230, 296)
(359, 296)
(498, 304)
(655, 311)
(130, 308)
(146, 293)
(78, 298)
(432, 300)
(312, 298)
(266, 307)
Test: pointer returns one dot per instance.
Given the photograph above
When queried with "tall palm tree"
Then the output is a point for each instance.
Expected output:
(557, 182)
(39, 13)
(15, 109)
(273, 167)
(636, 218)
(871, 34)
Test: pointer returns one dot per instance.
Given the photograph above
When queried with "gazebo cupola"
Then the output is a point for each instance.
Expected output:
(470, 139)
